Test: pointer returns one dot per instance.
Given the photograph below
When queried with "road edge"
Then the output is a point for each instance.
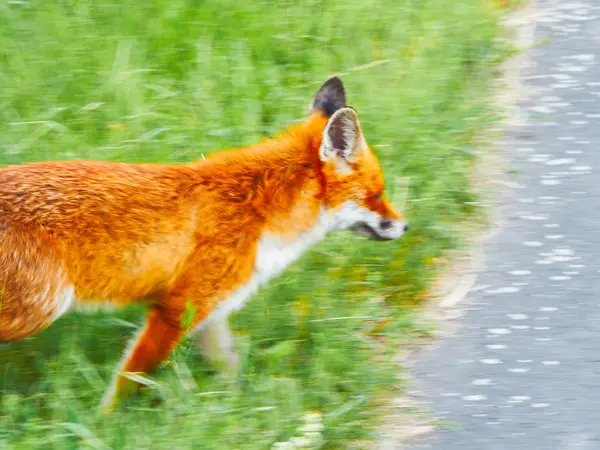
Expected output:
(404, 421)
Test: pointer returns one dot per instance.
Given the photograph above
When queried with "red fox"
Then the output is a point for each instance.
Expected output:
(207, 234)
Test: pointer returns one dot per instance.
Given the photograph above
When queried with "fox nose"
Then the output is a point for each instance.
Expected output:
(406, 227)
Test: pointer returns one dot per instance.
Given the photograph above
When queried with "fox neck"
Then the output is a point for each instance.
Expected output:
(278, 185)
(295, 217)
(279, 181)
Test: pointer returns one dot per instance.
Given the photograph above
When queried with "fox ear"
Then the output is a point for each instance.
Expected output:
(330, 97)
(342, 137)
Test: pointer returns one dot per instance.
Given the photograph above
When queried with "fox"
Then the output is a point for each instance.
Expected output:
(207, 233)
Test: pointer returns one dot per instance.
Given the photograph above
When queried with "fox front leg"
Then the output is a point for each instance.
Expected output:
(153, 344)
(215, 342)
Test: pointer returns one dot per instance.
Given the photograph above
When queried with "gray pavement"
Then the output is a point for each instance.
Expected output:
(523, 370)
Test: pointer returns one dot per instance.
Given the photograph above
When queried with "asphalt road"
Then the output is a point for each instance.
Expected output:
(523, 370)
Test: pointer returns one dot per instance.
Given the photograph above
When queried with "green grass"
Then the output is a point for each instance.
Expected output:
(150, 80)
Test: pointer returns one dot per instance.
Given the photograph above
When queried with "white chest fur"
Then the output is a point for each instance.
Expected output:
(274, 254)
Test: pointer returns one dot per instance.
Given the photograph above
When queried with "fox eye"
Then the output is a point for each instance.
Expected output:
(377, 196)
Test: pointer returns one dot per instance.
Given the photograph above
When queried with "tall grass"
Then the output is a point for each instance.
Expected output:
(171, 81)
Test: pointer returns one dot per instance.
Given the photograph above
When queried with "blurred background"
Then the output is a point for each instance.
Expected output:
(150, 80)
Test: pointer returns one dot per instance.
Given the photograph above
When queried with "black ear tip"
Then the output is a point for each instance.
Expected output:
(334, 86)
(331, 96)
(335, 82)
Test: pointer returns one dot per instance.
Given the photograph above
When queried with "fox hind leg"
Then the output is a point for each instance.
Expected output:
(34, 290)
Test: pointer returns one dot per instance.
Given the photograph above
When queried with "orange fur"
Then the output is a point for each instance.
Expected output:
(163, 234)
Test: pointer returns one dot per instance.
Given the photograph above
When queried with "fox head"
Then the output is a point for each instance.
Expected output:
(354, 184)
